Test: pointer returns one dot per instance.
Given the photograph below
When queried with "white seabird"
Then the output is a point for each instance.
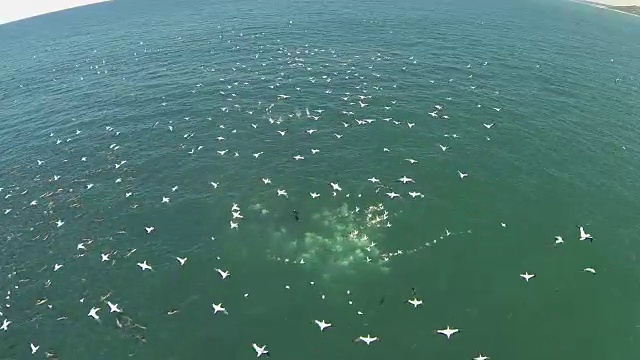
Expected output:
(260, 350)
(448, 332)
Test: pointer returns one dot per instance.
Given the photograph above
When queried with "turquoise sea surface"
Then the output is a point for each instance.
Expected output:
(195, 118)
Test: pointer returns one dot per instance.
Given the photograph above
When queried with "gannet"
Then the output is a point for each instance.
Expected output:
(367, 339)
(224, 274)
(94, 313)
(415, 302)
(218, 308)
(527, 276)
(144, 266)
(448, 332)
(260, 350)
(113, 307)
(584, 235)
(322, 324)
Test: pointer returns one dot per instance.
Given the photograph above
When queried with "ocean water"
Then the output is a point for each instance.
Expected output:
(140, 97)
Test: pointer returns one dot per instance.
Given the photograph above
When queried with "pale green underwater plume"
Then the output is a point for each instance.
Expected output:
(344, 242)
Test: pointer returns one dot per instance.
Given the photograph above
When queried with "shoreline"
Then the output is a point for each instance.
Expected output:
(26, 9)
(617, 6)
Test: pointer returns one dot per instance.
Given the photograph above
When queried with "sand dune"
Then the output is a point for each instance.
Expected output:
(23, 9)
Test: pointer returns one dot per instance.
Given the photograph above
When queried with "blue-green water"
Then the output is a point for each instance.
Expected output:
(563, 152)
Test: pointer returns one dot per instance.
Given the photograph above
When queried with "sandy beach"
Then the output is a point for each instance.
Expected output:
(618, 2)
(629, 7)
(11, 11)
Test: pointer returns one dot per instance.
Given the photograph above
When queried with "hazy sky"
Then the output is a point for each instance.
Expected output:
(12, 10)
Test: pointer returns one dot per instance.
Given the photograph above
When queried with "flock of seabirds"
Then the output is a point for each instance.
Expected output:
(352, 84)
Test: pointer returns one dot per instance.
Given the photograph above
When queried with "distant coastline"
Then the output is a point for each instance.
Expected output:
(622, 6)
(25, 9)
